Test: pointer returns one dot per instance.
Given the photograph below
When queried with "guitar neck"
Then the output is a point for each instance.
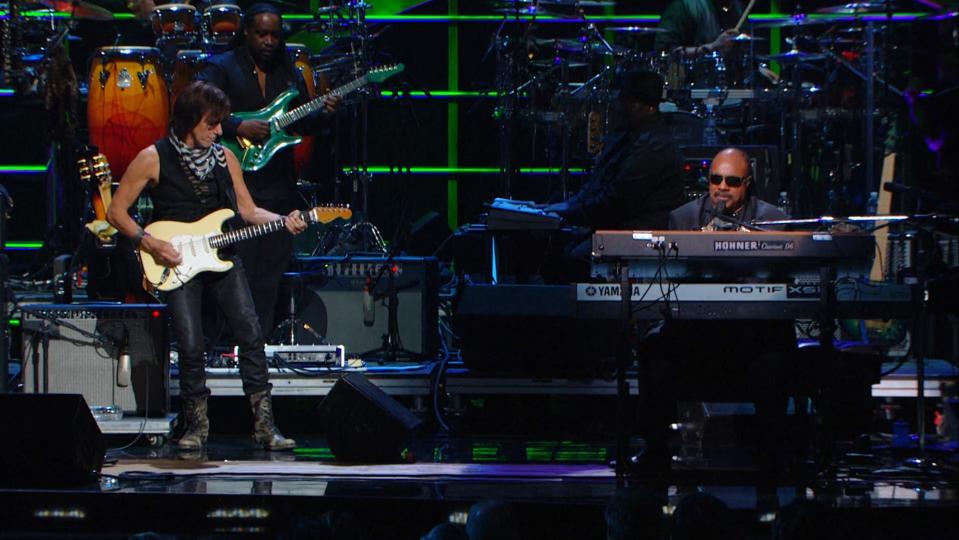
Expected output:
(314, 105)
(253, 231)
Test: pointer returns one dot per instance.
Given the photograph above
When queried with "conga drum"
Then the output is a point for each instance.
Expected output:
(175, 24)
(188, 65)
(300, 56)
(221, 24)
(128, 106)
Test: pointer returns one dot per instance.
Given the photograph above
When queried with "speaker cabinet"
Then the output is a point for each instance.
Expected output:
(363, 424)
(48, 441)
(83, 354)
(337, 310)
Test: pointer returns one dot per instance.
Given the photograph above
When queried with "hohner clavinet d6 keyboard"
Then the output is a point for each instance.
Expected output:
(741, 255)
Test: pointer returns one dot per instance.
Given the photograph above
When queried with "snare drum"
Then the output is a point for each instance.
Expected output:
(221, 23)
(175, 24)
(188, 65)
(128, 104)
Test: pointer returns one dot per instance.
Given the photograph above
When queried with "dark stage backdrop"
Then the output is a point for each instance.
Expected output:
(447, 145)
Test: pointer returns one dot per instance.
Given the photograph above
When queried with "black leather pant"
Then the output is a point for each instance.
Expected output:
(232, 295)
(265, 259)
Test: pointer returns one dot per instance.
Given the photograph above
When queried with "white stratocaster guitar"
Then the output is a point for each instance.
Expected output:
(199, 242)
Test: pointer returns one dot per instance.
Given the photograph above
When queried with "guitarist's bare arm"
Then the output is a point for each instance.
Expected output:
(249, 211)
(143, 171)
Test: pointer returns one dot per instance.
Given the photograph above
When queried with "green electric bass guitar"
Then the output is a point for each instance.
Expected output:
(254, 155)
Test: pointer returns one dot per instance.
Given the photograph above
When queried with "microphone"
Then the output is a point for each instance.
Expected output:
(720, 208)
(123, 370)
(895, 187)
(369, 313)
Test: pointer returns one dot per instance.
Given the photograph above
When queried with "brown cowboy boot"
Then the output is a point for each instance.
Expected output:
(197, 424)
(265, 433)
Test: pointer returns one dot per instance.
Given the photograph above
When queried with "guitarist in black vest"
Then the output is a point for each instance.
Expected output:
(188, 175)
(253, 75)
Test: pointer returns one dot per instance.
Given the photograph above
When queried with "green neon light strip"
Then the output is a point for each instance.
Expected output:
(6, 91)
(452, 118)
(24, 245)
(461, 170)
(775, 40)
(438, 94)
(14, 322)
(23, 169)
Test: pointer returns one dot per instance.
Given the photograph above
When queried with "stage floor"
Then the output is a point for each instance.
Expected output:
(559, 487)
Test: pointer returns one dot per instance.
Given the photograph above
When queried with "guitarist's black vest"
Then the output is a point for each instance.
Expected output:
(174, 196)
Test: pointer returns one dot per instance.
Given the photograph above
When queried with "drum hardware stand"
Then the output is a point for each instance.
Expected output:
(506, 102)
(715, 99)
(358, 174)
(292, 321)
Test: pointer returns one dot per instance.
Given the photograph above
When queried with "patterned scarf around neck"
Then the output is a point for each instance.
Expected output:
(199, 161)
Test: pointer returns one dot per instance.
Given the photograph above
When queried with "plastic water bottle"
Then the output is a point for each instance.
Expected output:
(784, 204)
(872, 206)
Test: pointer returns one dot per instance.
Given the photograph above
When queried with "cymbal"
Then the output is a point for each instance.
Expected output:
(793, 56)
(637, 29)
(527, 11)
(795, 20)
(552, 63)
(561, 44)
(574, 3)
(79, 9)
(579, 3)
(578, 46)
(857, 8)
(747, 38)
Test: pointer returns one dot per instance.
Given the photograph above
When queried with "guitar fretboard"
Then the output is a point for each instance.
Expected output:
(300, 112)
(253, 231)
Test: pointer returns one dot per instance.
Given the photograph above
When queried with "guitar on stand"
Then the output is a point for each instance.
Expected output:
(199, 243)
(96, 169)
(255, 155)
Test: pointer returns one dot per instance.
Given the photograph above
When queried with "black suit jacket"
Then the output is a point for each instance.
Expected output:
(693, 215)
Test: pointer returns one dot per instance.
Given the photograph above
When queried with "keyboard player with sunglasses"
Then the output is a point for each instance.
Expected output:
(730, 194)
(718, 360)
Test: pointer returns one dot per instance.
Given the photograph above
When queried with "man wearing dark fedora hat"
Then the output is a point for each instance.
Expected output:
(635, 181)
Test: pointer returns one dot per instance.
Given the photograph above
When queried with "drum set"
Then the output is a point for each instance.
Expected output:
(824, 103)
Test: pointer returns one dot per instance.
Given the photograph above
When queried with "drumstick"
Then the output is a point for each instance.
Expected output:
(745, 14)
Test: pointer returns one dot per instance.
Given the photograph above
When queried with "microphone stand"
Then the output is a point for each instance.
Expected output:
(724, 217)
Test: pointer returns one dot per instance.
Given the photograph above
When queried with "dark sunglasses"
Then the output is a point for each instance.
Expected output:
(731, 181)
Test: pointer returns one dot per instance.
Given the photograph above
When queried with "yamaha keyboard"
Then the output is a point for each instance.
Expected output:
(715, 255)
(510, 215)
(854, 300)
(702, 301)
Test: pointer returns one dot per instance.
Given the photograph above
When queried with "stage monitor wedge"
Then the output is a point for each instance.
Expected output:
(363, 424)
(49, 440)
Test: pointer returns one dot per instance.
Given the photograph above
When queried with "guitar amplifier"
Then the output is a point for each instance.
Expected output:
(337, 310)
(85, 343)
